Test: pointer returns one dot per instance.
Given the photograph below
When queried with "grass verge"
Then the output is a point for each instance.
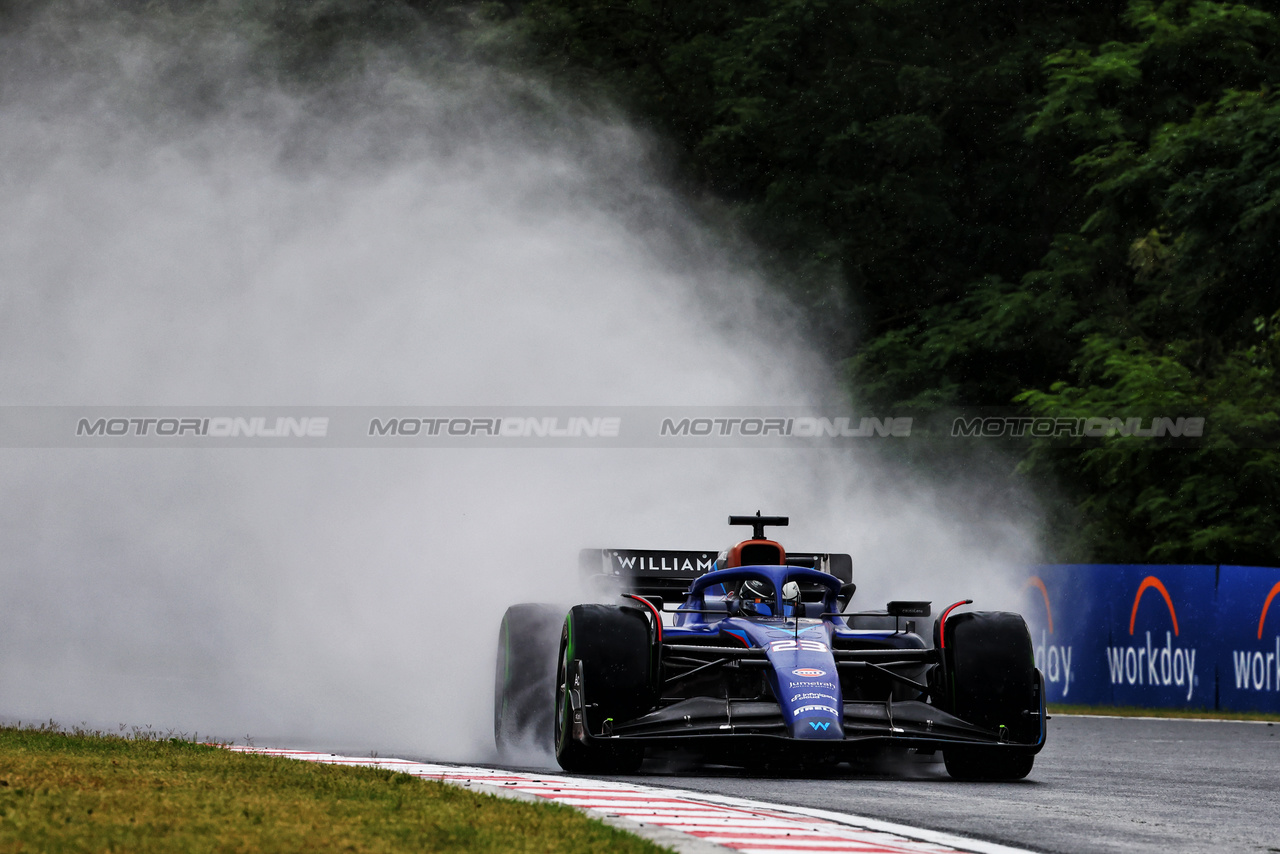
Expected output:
(1138, 712)
(93, 792)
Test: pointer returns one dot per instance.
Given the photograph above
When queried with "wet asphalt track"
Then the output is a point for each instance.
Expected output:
(1100, 785)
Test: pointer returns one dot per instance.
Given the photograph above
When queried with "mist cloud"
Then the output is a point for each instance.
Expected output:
(181, 224)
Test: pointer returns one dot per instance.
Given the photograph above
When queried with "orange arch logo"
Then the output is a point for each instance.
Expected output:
(1038, 583)
(1262, 621)
(1152, 581)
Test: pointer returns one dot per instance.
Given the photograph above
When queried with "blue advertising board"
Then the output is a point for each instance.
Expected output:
(1162, 638)
(1068, 612)
(1156, 636)
(1248, 618)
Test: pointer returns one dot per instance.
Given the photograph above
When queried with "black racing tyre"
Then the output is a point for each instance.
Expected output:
(992, 683)
(980, 764)
(613, 646)
(524, 683)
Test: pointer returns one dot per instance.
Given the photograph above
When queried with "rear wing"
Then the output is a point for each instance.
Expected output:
(668, 573)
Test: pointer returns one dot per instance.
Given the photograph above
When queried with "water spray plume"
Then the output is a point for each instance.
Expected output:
(182, 223)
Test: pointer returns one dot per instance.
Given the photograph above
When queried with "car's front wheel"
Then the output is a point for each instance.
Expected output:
(982, 764)
(604, 662)
(992, 683)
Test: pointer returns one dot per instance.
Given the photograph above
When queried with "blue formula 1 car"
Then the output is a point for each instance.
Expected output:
(762, 661)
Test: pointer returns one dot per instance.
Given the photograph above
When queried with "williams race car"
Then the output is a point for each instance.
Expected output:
(762, 662)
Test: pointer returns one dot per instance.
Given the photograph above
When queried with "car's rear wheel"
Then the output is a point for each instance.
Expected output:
(605, 656)
(524, 683)
(992, 683)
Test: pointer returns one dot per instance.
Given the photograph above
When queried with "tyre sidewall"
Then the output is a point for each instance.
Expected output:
(612, 646)
(991, 681)
(991, 672)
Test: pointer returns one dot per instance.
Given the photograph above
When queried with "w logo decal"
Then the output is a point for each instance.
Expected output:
(822, 726)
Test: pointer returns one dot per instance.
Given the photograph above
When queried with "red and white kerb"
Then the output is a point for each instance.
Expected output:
(735, 824)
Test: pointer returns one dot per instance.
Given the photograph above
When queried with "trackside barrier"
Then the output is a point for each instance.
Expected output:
(1157, 636)
(1249, 654)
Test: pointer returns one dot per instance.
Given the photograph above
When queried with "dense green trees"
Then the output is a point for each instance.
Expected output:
(1174, 273)
(878, 145)
(1069, 207)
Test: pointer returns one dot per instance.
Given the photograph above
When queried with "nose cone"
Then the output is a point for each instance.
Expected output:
(807, 687)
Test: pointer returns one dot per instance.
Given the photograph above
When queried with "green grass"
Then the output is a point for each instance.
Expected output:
(91, 792)
(1137, 712)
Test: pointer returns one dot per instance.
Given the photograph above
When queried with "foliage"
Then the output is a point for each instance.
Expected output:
(879, 143)
(1194, 502)
(1174, 265)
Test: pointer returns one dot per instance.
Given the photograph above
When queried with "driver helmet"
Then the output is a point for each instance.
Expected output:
(755, 598)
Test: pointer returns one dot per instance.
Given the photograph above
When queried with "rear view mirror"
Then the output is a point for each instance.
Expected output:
(898, 610)
(909, 609)
(846, 593)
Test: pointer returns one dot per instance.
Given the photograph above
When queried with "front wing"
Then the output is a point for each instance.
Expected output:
(709, 725)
